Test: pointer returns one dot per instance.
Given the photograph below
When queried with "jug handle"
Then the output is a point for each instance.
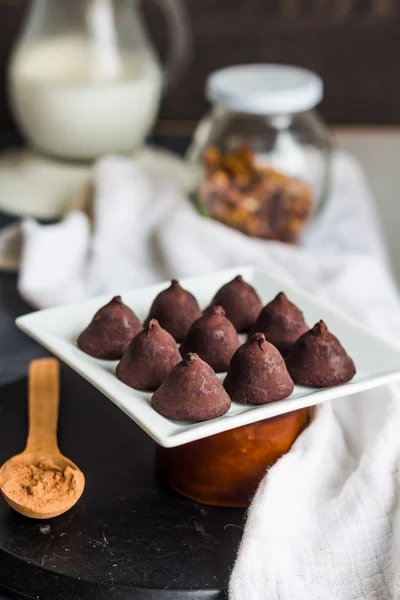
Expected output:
(179, 37)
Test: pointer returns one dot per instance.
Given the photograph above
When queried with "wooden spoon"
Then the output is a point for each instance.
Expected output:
(44, 386)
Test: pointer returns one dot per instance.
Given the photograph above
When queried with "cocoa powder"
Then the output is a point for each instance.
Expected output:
(44, 484)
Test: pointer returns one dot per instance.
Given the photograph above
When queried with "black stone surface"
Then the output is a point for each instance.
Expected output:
(16, 350)
(129, 536)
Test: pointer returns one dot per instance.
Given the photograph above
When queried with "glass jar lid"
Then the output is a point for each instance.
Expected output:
(265, 89)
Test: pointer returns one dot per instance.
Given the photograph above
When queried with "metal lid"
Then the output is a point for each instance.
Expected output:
(265, 89)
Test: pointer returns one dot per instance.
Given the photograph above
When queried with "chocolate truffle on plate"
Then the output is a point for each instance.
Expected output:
(191, 392)
(175, 309)
(258, 374)
(318, 359)
(213, 337)
(110, 331)
(281, 322)
(149, 358)
(241, 303)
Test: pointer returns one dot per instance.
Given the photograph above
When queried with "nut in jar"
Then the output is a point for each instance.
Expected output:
(262, 152)
(258, 201)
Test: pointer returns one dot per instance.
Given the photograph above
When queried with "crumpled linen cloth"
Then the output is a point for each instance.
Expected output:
(143, 229)
(325, 521)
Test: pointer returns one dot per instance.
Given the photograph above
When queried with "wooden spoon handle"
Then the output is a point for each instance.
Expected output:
(44, 389)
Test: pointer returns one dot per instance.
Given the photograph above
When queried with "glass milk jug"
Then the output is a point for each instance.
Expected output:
(84, 78)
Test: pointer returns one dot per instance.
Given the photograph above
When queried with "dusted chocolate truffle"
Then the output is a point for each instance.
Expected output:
(213, 337)
(175, 309)
(149, 358)
(258, 373)
(319, 359)
(110, 331)
(191, 392)
(281, 322)
(240, 302)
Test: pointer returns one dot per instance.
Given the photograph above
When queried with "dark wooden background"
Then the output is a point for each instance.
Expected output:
(353, 44)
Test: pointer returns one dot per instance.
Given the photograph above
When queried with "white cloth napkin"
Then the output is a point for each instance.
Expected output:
(325, 522)
(144, 229)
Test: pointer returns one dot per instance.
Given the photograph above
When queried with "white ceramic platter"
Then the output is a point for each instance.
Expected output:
(57, 329)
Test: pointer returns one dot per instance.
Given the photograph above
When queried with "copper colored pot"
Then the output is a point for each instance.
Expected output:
(225, 469)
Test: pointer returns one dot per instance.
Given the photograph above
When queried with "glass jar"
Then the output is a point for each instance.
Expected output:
(262, 154)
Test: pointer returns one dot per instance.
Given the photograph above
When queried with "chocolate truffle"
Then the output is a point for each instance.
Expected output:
(319, 359)
(214, 338)
(258, 373)
(281, 322)
(149, 358)
(191, 392)
(109, 333)
(175, 309)
(241, 303)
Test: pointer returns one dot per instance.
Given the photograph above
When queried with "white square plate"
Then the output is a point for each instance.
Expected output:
(57, 329)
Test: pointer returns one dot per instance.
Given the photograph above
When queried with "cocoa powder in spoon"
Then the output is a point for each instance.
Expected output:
(44, 484)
